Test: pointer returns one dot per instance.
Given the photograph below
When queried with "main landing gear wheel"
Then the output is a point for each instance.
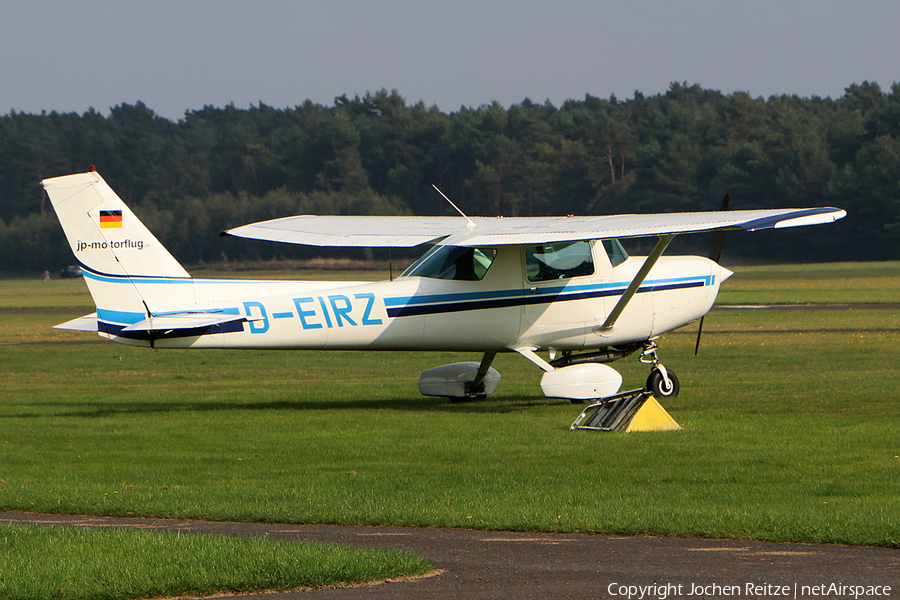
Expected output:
(656, 384)
(465, 399)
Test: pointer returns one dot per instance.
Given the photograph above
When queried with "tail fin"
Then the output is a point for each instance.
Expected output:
(129, 273)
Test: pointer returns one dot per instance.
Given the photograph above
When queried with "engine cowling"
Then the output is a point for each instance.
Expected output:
(450, 381)
(581, 382)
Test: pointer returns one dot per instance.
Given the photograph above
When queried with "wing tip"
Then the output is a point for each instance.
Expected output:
(797, 218)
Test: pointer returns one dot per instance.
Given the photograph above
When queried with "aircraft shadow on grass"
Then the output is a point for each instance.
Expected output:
(412, 404)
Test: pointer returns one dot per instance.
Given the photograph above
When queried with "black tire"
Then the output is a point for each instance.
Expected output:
(465, 399)
(655, 384)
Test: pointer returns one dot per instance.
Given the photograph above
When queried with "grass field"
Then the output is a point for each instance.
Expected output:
(41, 562)
(791, 428)
(831, 283)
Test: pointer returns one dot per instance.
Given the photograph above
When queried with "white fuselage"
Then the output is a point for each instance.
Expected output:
(501, 311)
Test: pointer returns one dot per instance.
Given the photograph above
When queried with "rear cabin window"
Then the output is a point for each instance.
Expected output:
(615, 252)
(453, 262)
(562, 260)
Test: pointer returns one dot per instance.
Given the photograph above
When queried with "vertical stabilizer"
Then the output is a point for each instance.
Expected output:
(129, 273)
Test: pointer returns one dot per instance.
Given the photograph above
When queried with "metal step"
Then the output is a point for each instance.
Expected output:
(612, 414)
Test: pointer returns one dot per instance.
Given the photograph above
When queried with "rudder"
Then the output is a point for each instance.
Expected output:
(128, 271)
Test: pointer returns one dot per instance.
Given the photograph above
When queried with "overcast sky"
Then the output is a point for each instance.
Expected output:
(176, 56)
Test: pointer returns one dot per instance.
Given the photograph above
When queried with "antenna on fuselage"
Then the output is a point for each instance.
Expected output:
(469, 223)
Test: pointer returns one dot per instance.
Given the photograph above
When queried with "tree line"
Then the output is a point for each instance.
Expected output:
(682, 150)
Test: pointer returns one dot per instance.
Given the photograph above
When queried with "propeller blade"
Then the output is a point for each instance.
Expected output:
(699, 332)
(715, 250)
(715, 253)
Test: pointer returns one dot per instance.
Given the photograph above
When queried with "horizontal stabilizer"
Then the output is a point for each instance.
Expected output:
(186, 320)
(85, 323)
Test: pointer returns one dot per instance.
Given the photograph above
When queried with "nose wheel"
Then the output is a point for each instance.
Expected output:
(662, 383)
(657, 384)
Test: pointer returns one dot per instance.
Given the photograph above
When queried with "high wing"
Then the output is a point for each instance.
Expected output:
(406, 232)
(352, 231)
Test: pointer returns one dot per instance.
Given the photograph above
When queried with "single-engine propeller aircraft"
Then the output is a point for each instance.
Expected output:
(564, 285)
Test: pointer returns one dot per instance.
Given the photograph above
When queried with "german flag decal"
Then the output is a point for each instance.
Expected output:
(110, 219)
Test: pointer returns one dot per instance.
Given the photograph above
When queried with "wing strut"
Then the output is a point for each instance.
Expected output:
(617, 310)
(528, 352)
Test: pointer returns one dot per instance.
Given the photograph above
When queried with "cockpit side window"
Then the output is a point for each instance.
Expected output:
(615, 252)
(457, 263)
(558, 261)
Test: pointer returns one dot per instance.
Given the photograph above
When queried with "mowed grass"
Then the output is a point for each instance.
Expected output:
(39, 562)
(20, 293)
(791, 432)
(829, 283)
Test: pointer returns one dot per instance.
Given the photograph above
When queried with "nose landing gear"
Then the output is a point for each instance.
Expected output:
(662, 383)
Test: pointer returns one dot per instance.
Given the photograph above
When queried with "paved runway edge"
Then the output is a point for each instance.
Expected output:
(498, 564)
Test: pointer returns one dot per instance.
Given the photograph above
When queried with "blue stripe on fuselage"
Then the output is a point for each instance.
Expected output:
(114, 278)
(447, 303)
(116, 331)
(118, 316)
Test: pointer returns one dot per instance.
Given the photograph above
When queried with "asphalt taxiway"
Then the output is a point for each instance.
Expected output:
(510, 565)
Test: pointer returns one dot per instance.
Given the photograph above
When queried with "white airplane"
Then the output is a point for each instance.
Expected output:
(564, 285)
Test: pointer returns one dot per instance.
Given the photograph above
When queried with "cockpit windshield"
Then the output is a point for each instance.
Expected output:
(453, 262)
